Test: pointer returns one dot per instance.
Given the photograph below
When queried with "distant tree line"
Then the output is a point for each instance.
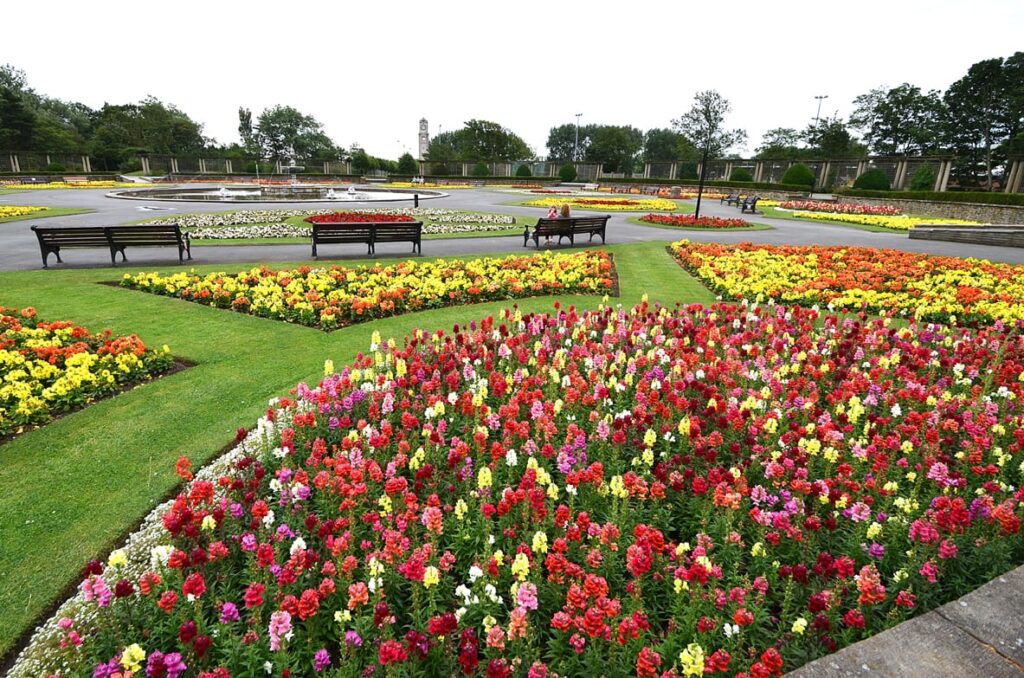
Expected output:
(979, 119)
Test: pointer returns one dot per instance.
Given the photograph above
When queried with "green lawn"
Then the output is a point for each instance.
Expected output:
(751, 227)
(74, 488)
(46, 214)
(775, 213)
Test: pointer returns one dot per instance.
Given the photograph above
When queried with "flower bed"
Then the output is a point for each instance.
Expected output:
(698, 492)
(946, 289)
(333, 297)
(840, 207)
(61, 185)
(895, 223)
(275, 224)
(52, 367)
(357, 218)
(12, 211)
(607, 204)
(688, 220)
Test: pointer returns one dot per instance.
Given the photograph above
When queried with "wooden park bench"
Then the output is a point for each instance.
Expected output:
(369, 233)
(52, 239)
(567, 228)
(33, 180)
(151, 235)
(76, 180)
(731, 199)
(749, 204)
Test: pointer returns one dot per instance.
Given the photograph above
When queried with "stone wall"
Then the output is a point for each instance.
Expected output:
(990, 214)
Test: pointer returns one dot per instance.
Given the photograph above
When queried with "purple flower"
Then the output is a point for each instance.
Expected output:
(174, 665)
(352, 639)
(321, 660)
(229, 613)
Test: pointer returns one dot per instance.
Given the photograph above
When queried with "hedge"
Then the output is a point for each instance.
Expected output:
(800, 188)
(1016, 199)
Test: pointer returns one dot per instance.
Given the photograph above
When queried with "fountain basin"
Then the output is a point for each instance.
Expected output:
(272, 194)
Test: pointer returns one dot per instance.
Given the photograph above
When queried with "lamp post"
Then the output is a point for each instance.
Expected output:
(703, 171)
(819, 97)
(576, 143)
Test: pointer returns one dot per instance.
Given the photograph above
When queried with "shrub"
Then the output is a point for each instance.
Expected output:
(567, 172)
(799, 174)
(130, 165)
(741, 174)
(524, 171)
(480, 170)
(872, 180)
(55, 167)
(923, 179)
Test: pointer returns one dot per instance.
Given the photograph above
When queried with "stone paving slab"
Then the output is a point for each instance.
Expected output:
(980, 635)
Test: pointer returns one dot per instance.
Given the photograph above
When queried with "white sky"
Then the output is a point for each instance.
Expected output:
(370, 70)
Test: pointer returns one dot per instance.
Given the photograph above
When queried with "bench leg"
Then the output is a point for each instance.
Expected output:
(314, 250)
(369, 249)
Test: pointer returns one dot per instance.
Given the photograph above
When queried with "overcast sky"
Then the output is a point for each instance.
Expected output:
(370, 70)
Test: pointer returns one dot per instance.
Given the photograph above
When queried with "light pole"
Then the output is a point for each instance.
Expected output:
(819, 97)
(576, 143)
(703, 170)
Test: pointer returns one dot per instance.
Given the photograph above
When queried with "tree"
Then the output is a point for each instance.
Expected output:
(702, 124)
(362, 162)
(246, 131)
(524, 171)
(562, 142)
(898, 121)
(481, 170)
(779, 143)
(283, 133)
(483, 140)
(980, 113)
(442, 148)
(831, 139)
(408, 165)
(665, 145)
(16, 121)
(615, 147)
(567, 172)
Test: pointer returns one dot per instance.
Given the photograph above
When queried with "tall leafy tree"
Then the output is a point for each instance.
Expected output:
(616, 147)
(704, 124)
(284, 133)
(830, 138)
(562, 142)
(483, 140)
(780, 143)
(666, 145)
(478, 141)
(17, 122)
(985, 109)
(899, 121)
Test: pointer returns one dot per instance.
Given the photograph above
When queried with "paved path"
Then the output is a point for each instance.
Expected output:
(19, 249)
(977, 636)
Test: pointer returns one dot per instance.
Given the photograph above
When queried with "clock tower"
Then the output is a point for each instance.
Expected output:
(424, 138)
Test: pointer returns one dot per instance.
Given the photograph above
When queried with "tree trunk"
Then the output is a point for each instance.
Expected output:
(988, 160)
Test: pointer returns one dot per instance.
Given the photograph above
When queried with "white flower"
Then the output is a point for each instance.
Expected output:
(298, 545)
(475, 573)
(511, 458)
(268, 520)
(730, 630)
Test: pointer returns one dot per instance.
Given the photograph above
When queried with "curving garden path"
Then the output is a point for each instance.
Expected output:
(19, 249)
